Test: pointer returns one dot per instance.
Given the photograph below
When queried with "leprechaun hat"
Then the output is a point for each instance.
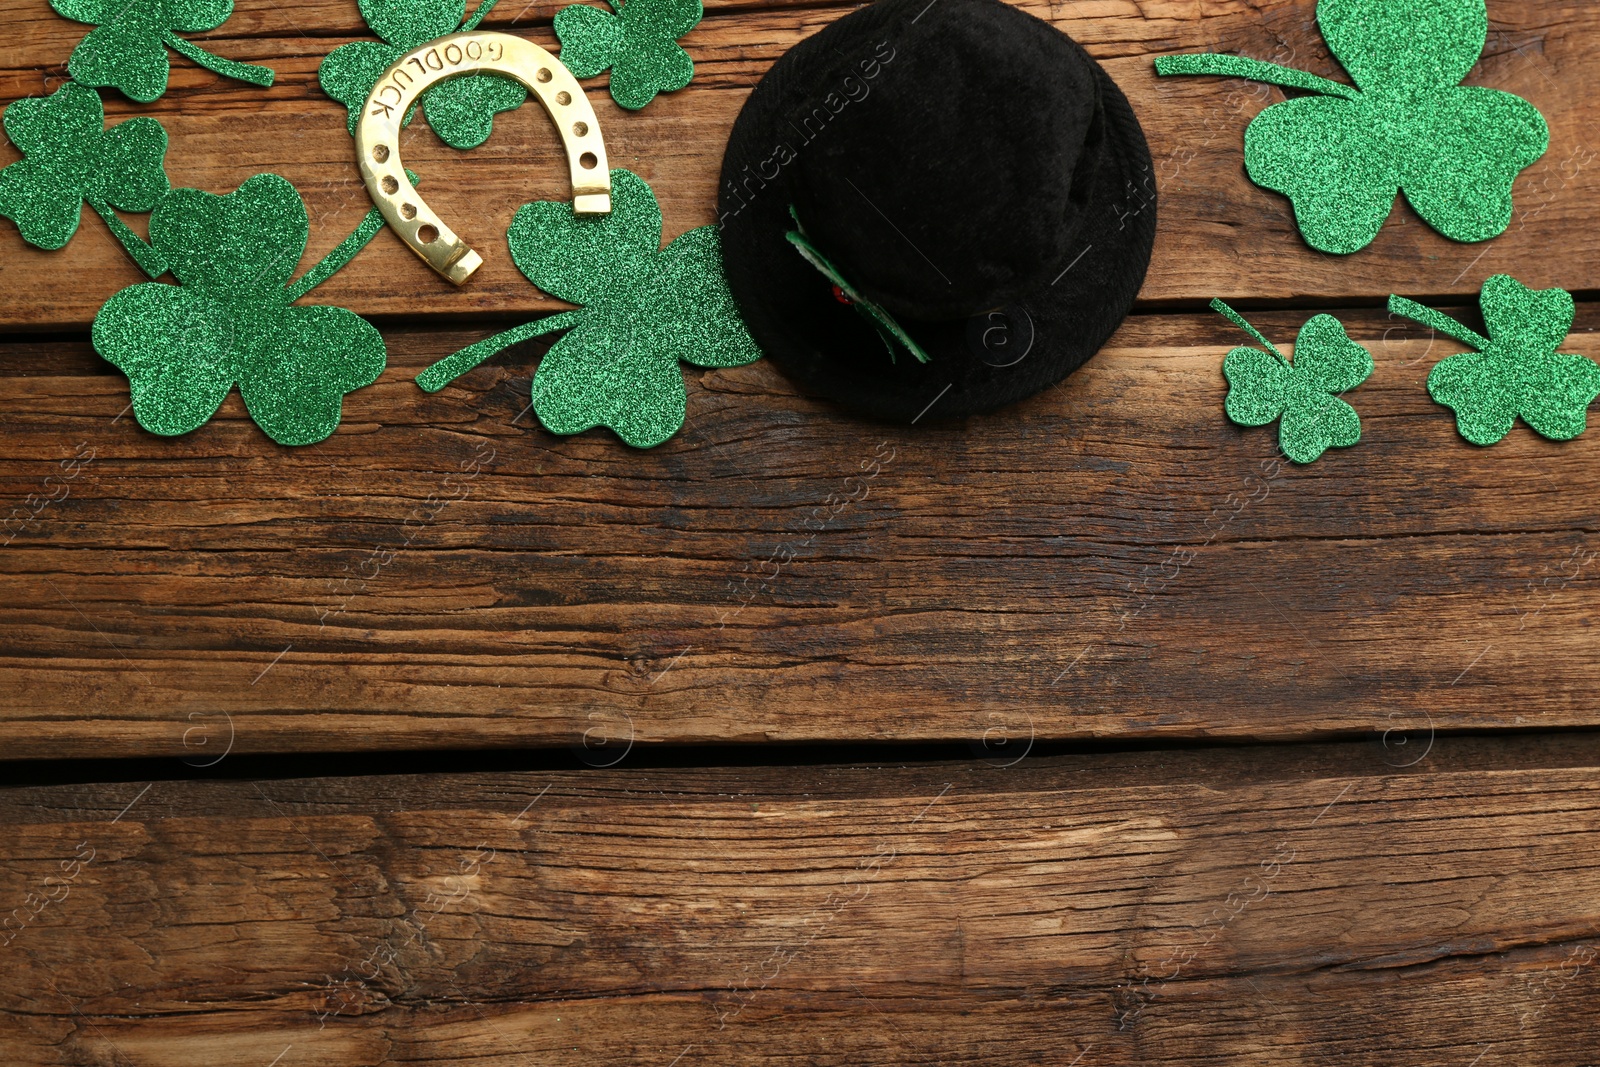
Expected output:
(966, 177)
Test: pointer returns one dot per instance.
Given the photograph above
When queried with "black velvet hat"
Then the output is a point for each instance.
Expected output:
(970, 173)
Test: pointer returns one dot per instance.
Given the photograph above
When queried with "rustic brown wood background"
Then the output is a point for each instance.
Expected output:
(1198, 758)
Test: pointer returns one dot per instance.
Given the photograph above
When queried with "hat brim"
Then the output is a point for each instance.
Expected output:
(975, 364)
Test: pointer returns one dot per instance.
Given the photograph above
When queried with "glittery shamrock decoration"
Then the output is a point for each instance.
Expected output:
(638, 40)
(127, 49)
(70, 159)
(1516, 370)
(889, 331)
(1408, 126)
(461, 110)
(644, 308)
(231, 318)
(1263, 386)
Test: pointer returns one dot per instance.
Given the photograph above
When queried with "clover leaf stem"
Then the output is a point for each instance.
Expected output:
(1438, 321)
(1239, 320)
(1226, 66)
(343, 253)
(148, 259)
(440, 374)
(228, 68)
(476, 17)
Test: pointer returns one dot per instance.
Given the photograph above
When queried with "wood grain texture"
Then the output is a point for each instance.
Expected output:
(1219, 235)
(1110, 559)
(1277, 906)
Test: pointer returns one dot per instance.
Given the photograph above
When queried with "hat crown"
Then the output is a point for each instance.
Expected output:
(946, 169)
(971, 170)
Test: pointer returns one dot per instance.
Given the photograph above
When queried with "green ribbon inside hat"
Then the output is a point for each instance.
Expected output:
(889, 330)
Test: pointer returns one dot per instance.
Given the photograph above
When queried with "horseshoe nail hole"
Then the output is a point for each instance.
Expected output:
(408, 211)
(427, 234)
(580, 129)
(390, 186)
(380, 153)
(544, 74)
(588, 161)
(563, 98)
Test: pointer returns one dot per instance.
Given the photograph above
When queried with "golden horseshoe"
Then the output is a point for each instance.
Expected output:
(378, 135)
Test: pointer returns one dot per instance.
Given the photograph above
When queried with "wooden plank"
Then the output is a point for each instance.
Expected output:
(1179, 909)
(1219, 235)
(1111, 559)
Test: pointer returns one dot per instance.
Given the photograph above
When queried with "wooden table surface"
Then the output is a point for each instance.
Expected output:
(1090, 732)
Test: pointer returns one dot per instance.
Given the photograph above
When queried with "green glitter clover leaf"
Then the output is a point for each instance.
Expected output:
(637, 39)
(70, 158)
(644, 308)
(127, 49)
(888, 329)
(1516, 370)
(1263, 386)
(462, 110)
(1408, 126)
(231, 319)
